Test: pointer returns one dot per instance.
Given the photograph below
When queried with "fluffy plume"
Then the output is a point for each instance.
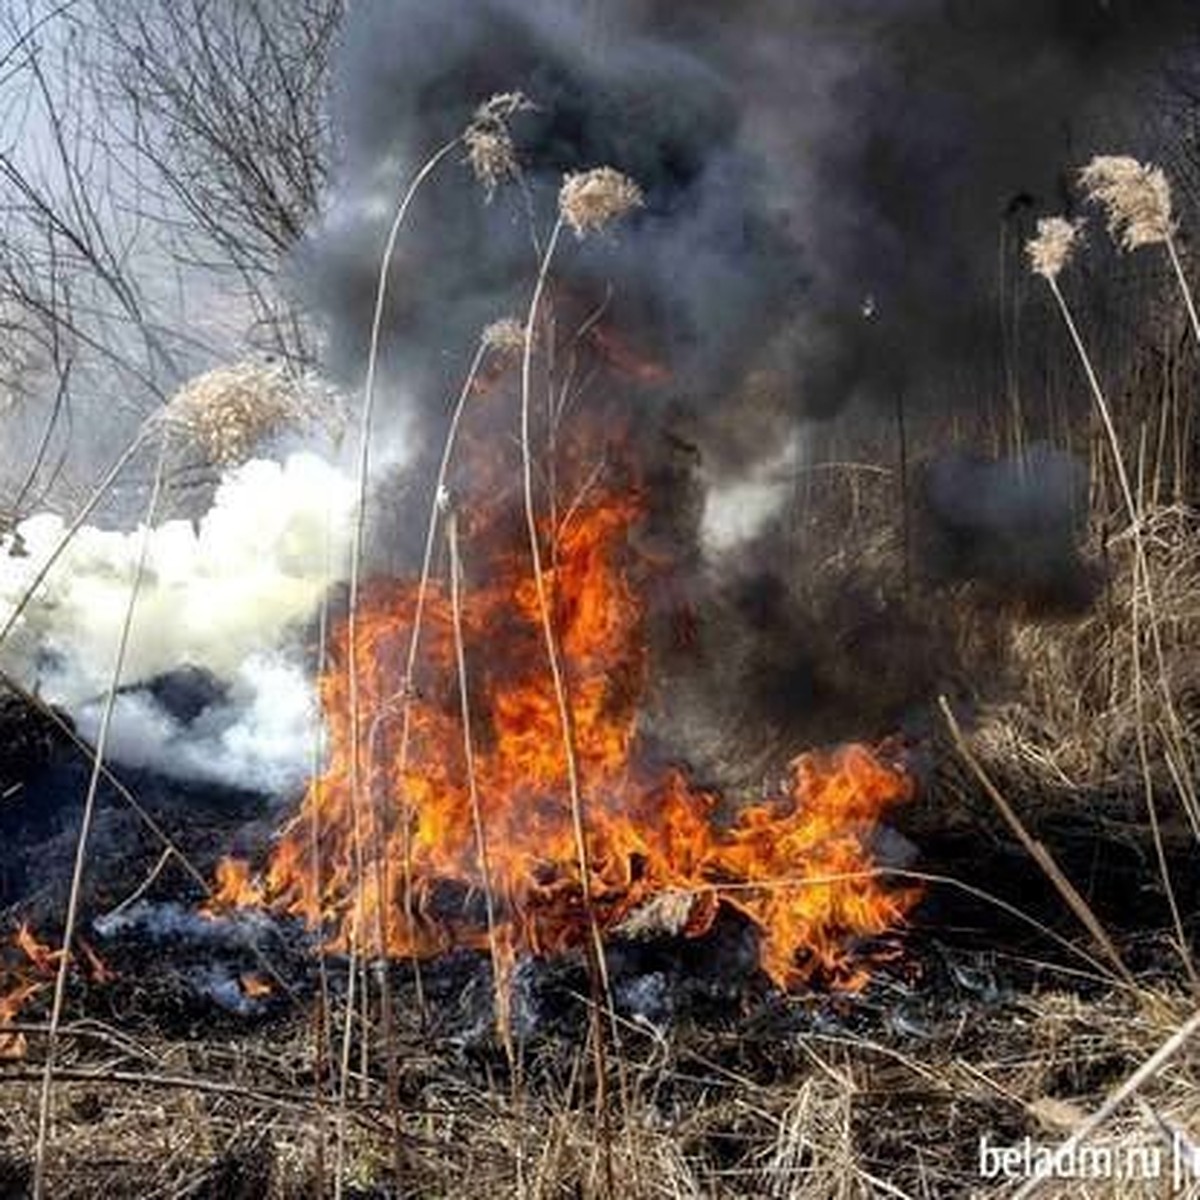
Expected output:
(1057, 240)
(506, 336)
(489, 142)
(1136, 198)
(591, 200)
(229, 411)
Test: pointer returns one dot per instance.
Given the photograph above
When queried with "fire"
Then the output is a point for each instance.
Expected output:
(414, 861)
(40, 956)
(235, 888)
(36, 964)
(36, 958)
(255, 986)
(13, 1043)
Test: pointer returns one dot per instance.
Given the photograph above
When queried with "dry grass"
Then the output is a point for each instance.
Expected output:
(815, 1115)
(1072, 723)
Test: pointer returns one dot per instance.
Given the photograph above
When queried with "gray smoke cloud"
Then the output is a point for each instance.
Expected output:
(830, 190)
(826, 185)
(1012, 523)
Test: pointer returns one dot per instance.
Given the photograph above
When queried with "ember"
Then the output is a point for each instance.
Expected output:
(255, 987)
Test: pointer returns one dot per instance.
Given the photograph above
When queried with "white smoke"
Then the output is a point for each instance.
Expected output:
(737, 510)
(227, 596)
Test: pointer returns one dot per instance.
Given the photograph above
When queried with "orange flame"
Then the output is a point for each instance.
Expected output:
(13, 1043)
(40, 956)
(255, 986)
(399, 866)
(235, 887)
(41, 960)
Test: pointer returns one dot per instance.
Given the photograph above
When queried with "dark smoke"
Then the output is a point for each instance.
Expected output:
(831, 191)
(1013, 525)
(804, 164)
(699, 278)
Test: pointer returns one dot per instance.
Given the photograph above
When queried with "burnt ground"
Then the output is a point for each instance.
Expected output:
(991, 1017)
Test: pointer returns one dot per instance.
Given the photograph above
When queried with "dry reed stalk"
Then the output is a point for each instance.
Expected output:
(495, 338)
(587, 203)
(1048, 254)
(355, 773)
(1037, 851)
(501, 964)
(597, 965)
(499, 337)
(1137, 200)
(492, 155)
(548, 635)
(85, 827)
(322, 1018)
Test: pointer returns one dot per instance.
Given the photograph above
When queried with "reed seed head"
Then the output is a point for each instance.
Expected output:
(226, 412)
(591, 200)
(505, 337)
(1057, 240)
(491, 151)
(1136, 198)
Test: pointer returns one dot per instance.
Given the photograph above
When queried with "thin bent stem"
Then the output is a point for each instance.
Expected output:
(85, 828)
(543, 598)
(566, 725)
(1110, 431)
(322, 1032)
(1114, 1101)
(1184, 287)
(408, 682)
(500, 964)
(1141, 580)
(356, 557)
(1077, 904)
